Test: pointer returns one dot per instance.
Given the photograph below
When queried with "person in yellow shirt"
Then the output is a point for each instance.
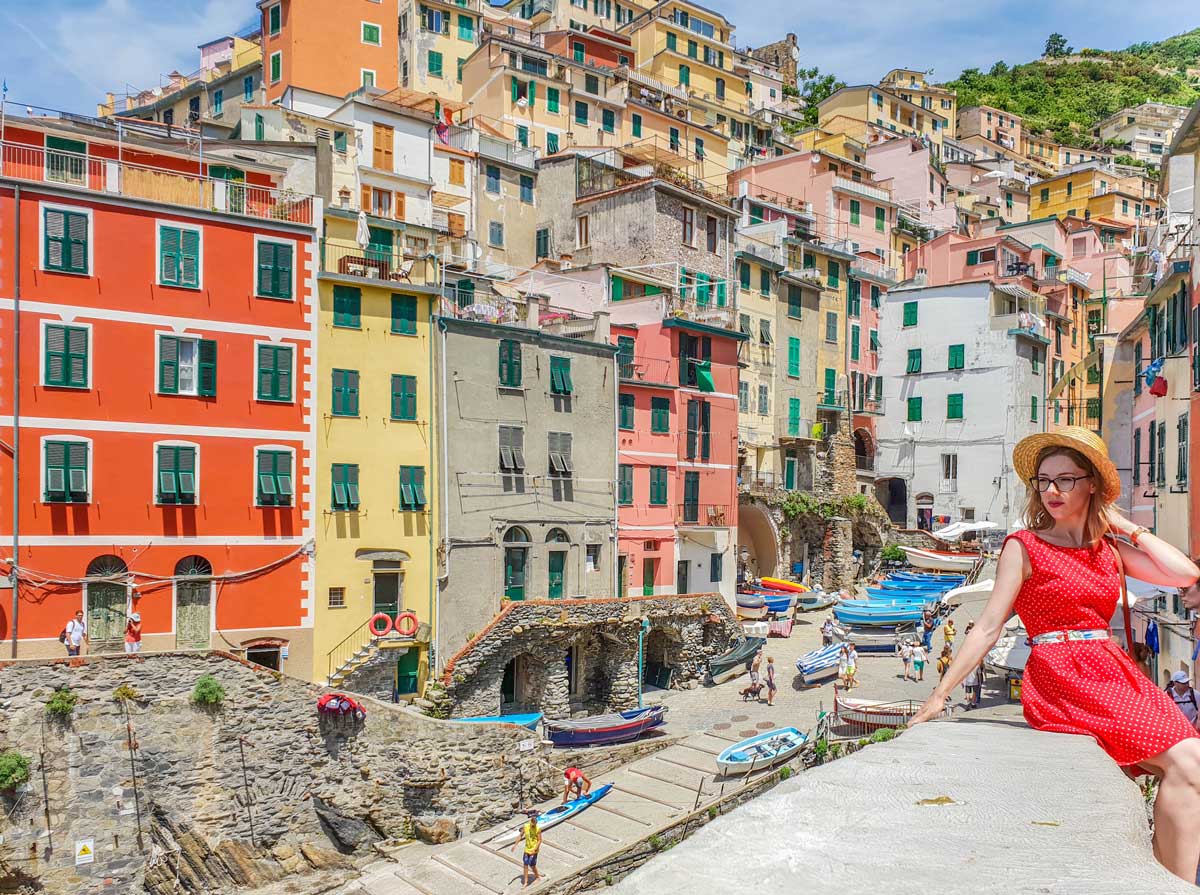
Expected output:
(948, 632)
(531, 835)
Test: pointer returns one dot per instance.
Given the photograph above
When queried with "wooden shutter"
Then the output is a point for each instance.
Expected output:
(365, 199)
(383, 155)
(693, 424)
(56, 355)
(168, 256)
(168, 365)
(77, 234)
(168, 489)
(266, 268)
(56, 238)
(77, 356)
(283, 271)
(705, 428)
(206, 367)
(266, 371)
(189, 258)
(398, 206)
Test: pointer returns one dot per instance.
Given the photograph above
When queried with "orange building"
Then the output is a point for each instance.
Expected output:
(164, 424)
(308, 45)
(595, 47)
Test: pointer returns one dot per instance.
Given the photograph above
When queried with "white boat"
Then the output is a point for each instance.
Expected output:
(940, 561)
(955, 531)
(874, 640)
(979, 593)
(873, 713)
(1008, 656)
(819, 664)
(761, 751)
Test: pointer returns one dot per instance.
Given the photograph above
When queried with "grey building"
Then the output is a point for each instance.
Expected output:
(528, 419)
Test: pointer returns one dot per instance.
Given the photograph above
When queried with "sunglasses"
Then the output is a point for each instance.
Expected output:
(1063, 483)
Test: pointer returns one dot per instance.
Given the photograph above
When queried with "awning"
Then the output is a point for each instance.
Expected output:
(704, 380)
(447, 200)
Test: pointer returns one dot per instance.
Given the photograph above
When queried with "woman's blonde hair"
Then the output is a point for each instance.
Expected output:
(1036, 516)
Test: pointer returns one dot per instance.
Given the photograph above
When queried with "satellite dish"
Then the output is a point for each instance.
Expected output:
(157, 91)
(522, 103)
(816, 158)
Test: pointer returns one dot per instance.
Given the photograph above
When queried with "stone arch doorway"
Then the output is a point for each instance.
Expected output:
(516, 562)
(868, 543)
(193, 603)
(864, 450)
(523, 684)
(758, 541)
(558, 543)
(107, 601)
(661, 651)
(924, 504)
(892, 494)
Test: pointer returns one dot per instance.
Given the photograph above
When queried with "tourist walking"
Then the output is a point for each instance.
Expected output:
(1184, 695)
(827, 631)
(844, 665)
(133, 633)
(920, 657)
(969, 683)
(948, 632)
(944, 661)
(852, 666)
(75, 634)
(928, 623)
(771, 685)
(905, 649)
(531, 835)
(1063, 574)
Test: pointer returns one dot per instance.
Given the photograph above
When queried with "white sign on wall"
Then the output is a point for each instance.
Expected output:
(85, 851)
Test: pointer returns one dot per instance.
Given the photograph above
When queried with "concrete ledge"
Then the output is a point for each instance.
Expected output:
(949, 807)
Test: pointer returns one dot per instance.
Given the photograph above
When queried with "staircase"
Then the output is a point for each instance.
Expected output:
(360, 649)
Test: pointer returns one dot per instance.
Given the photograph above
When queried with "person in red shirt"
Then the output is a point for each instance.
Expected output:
(576, 780)
(133, 633)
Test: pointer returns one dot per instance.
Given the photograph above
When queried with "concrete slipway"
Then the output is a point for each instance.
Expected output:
(962, 807)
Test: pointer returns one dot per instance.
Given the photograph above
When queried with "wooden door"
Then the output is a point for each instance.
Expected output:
(407, 668)
(681, 577)
(193, 614)
(648, 568)
(514, 573)
(106, 616)
(557, 566)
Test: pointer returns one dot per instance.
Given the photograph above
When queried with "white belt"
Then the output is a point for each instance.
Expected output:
(1069, 636)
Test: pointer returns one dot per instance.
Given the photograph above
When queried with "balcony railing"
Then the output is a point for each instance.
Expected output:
(467, 304)
(377, 262)
(874, 270)
(869, 192)
(117, 178)
(704, 515)
(864, 462)
(636, 77)
(697, 312)
(648, 370)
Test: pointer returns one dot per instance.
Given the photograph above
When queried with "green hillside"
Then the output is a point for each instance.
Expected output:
(1067, 93)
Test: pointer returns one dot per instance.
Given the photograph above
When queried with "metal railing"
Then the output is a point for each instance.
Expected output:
(855, 722)
(636, 77)
(650, 370)
(350, 645)
(463, 304)
(704, 515)
(119, 178)
(862, 189)
(377, 262)
(699, 312)
(874, 270)
(865, 462)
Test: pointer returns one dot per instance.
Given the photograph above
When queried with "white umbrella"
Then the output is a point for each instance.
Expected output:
(362, 234)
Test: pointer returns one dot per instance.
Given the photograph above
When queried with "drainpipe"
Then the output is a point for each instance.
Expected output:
(437, 628)
(642, 629)
(16, 445)
(433, 578)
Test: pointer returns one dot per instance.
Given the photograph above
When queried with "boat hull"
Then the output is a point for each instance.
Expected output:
(529, 721)
(819, 664)
(728, 665)
(605, 729)
(945, 562)
(762, 751)
(885, 615)
(781, 584)
(872, 715)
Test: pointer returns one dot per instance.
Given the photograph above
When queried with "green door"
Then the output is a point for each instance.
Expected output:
(789, 472)
(193, 614)
(387, 593)
(407, 668)
(648, 567)
(622, 574)
(379, 245)
(682, 584)
(514, 573)
(558, 562)
(106, 616)
(235, 186)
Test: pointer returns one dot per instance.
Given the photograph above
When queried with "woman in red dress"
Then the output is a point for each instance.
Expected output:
(1060, 575)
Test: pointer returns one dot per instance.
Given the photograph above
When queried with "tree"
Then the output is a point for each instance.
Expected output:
(815, 88)
(1056, 45)
(1000, 68)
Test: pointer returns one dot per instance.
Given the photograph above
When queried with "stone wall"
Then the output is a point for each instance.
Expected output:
(602, 637)
(319, 791)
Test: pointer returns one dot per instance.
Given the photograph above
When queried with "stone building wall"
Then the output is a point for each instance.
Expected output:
(688, 629)
(320, 791)
(782, 54)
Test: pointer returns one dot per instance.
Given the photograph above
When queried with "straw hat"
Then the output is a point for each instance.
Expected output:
(1085, 441)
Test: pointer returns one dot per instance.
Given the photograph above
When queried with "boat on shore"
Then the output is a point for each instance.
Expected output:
(816, 600)
(557, 814)
(819, 665)
(942, 560)
(730, 664)
(881, 615)
(751, 606)
(875, 639)
(873, 714)
(601, 730)
(761, 751)
(529, 720)
(783, 584)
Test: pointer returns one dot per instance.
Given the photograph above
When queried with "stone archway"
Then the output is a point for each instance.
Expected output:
(758, 539)
(523, 684)
(864, 450)
(661, 650)
(868, 540)
(892, 494)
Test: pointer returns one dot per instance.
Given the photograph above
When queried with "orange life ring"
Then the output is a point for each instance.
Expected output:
(409, 630)
(387, 624)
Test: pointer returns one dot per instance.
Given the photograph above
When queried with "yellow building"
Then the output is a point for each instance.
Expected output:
(870, 114)
(376, 463)
(814, 139)
(832, 266)
(758, 265)
(436, 39)
(656, 136)
(1095, 191)
(910, 85)
(1041, 152)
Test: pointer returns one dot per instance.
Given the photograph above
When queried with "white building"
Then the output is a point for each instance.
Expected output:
(1146, 130)
(964, 376)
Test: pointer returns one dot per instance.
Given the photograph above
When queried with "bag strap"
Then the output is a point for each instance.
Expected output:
(1124, 598)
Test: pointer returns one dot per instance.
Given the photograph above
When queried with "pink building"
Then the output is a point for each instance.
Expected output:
(677, 419)
(992, 124)
(918, 186)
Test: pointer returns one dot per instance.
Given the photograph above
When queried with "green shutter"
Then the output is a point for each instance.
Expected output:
(274, 270)
(764, 281)
(744, 275)
(347, 307)
(954, 406)
(274, 373)
(914, 361)
(660, 415)
(560, 376)
(833, 274)
(65, 245)
(551, 99)
(404, 314)
(880, 220)
(830, 386)
(189, 259)
(793, 356)
(914, 410)
(345, 393)
(855, 212)
(637, 125)
(624, 484)
(206, 368)
(66, 356)
(972, 258)
(793, 416)
(168, 365)
(910, 313)
(795, 301)
(957, 357)
(168, 255)
(625, 412)
(404, 397)
(510, 363)
(854, 342)
(618, 288)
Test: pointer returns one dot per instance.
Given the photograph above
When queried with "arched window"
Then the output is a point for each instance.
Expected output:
(106, 566)
(194, 565)
(516, 535)
(557, 536)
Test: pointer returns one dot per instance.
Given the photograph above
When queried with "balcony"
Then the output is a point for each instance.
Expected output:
(703, 515)
(636, 77)
(141, 182)
(380, 263)
(650, 371)
(483, 307)
(861, 189)
(702, 312)
(1060, 273)
(874, 270)
(808, 273)
(864, 462)
(472, 140)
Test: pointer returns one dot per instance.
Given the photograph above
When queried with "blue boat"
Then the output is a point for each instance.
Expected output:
(929, 596)
(915, 585)
(779, 603)
(601, 730)
(952, 580)
(559, 813)
(903, 603)
(883, 615)
(819, 664)
(761, 751)
(529, 720)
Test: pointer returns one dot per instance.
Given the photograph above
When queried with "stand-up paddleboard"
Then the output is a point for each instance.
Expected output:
(558, 814)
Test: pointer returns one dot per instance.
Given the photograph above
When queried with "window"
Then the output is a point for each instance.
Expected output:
(466, 28)
(65, 246)
(914, 361)
(273, 16)
(412, 488)
(551, 143)
(542, 243)
(954, 406)
(692, 49)
(560, 375)
(248, 88)
(743, 396)
(764, 278)
(1035, 364)
(794, 301)
(591, 84)
(274, 269)
(873, 340)
(577, 51)
(831, 326)
(658, 486)
(65, 356)
(833, 274)
(273, 372)
(496, 234)
(187, 366)
(853, 298)
(624, 484)
(672, 41)
(276, 67)
(347, 307)
(582, 236)
(404, 315)
(957, 359)
(1033, 408)
(179, 257)
(523, 136)
(700, 148)
(685, 76)
(689, 226)
(720, 88)
(1162, 453)
(337, 598)
(699, 431)
(65, 471)
(581, 112)
(625, 411)
(660, 415)
(552, 99)
(710, 241)
(950, 467)
(345, 393)
(855, 339)
(793, 417)
(512, 449)
(218, 103)
(458, 69)
(492, 182)
(435, 64)
(637, 125)
(559, 450)
(880, 220)
(345, 487)
(510, 363)
(404, 397)
(764, 400)
(175, 471)
(527, 189)
(744, 275)
(764, 331)
(274, 470)
(458, 172)
(370, 34)
(715, 566)
(674, 139)
(910, 313)
(855, 212)
(339, 142)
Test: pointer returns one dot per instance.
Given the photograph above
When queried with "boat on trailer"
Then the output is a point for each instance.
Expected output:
(761, 751)
(601, 730)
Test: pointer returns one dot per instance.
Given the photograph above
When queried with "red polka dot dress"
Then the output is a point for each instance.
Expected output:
(1088, 687)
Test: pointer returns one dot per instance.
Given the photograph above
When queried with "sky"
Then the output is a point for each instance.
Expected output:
(66, 54)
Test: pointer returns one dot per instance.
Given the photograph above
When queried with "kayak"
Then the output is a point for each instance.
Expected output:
(559, 813)
(781, 584)
(529, 720)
